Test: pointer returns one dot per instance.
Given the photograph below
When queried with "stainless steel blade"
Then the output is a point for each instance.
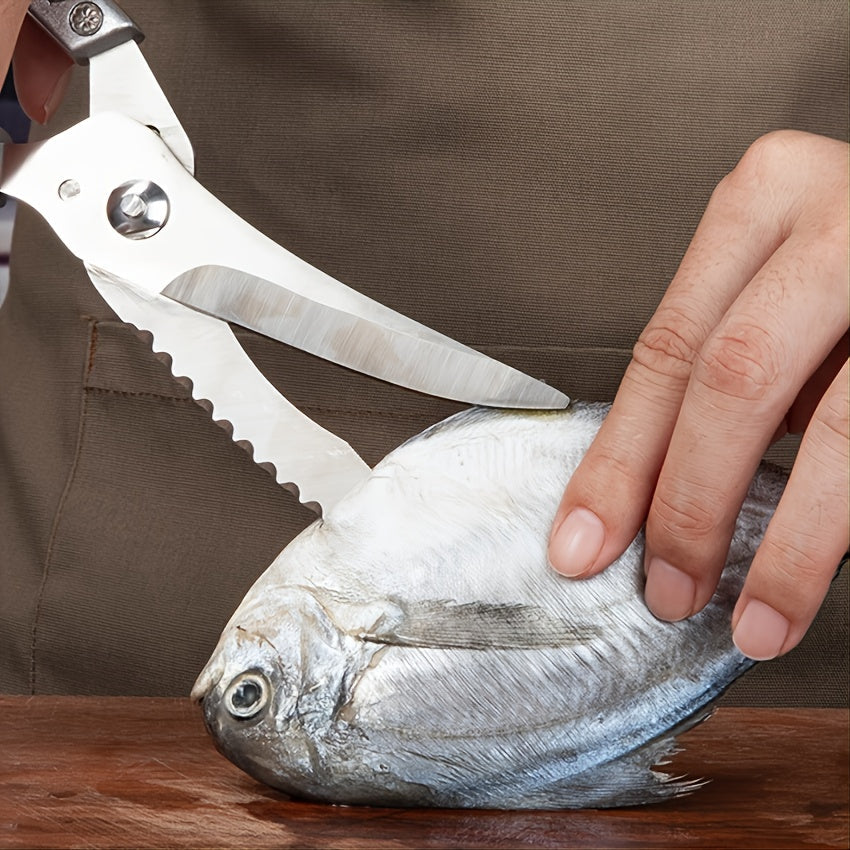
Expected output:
(316, 464)
(120, 80)
(409, 354)
(74, 177)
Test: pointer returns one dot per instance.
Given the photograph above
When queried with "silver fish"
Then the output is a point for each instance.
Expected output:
(414, 648)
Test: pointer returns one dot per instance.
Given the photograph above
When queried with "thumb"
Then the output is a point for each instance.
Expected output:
(42, 72)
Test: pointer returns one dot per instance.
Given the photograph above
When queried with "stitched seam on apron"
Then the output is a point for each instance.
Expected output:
(60, 507)
(135, 394)
(413, 413)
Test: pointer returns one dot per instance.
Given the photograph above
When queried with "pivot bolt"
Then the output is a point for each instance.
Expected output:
(137, 209)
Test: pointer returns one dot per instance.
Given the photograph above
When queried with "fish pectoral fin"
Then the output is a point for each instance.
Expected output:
(443, 624)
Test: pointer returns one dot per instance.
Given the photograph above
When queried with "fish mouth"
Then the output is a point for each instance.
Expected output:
(209, 677)
(233, 714)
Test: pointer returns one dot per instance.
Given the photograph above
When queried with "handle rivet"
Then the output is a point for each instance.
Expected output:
(69, 189)
(86, 18)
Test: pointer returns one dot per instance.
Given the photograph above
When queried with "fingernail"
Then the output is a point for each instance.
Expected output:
(761, 631)
(669, 593)
(576, 543)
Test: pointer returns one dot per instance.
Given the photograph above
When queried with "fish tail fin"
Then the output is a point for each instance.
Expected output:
(633, 778)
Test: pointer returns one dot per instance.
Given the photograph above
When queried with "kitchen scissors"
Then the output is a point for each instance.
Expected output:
(171, 259)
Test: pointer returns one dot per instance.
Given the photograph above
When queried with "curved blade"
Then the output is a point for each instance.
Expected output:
(319, 464)
(384, 344)
(94, 160)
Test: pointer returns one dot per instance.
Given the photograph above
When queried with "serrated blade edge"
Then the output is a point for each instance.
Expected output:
(321, 465)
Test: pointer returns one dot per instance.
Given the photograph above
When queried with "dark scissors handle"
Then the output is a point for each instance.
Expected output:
(84, 29)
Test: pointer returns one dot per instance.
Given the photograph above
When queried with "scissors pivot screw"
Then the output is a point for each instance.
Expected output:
(138, 209)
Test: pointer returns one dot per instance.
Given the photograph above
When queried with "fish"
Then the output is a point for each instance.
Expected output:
(414, 648)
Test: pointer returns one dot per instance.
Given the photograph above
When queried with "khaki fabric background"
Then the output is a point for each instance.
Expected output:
(522, 176)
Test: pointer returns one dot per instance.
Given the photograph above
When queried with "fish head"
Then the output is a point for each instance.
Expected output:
(250, 684)
(274, 683)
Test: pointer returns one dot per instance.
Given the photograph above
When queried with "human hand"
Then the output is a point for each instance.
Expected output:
(42, 68)
(750, 341)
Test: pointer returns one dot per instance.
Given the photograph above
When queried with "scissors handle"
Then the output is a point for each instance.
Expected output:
(85, 29)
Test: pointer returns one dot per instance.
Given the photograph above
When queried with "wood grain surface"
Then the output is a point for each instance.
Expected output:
(97, 772)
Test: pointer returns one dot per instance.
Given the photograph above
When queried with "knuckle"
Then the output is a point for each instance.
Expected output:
(615, 474)
(833, 416)
(742, 362)
(779, 171)
(829, 241)
(769, 162)
(777, 145)
(669, 344)
(683, 517)
(794, 562)
(827, 438)
(606, 480)
(767, 156)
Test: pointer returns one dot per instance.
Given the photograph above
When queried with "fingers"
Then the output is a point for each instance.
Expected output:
(743, 346)
(803, 408)
(42, 72)
(11, 14)
(806, 538)
(612, 488)
(747, 375)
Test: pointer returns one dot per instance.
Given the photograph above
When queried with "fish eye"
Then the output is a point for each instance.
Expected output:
(247, 695)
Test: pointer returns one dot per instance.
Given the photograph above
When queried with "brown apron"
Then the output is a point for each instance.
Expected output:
(521, 176)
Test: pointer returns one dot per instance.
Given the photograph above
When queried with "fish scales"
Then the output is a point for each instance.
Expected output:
(414, 648)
